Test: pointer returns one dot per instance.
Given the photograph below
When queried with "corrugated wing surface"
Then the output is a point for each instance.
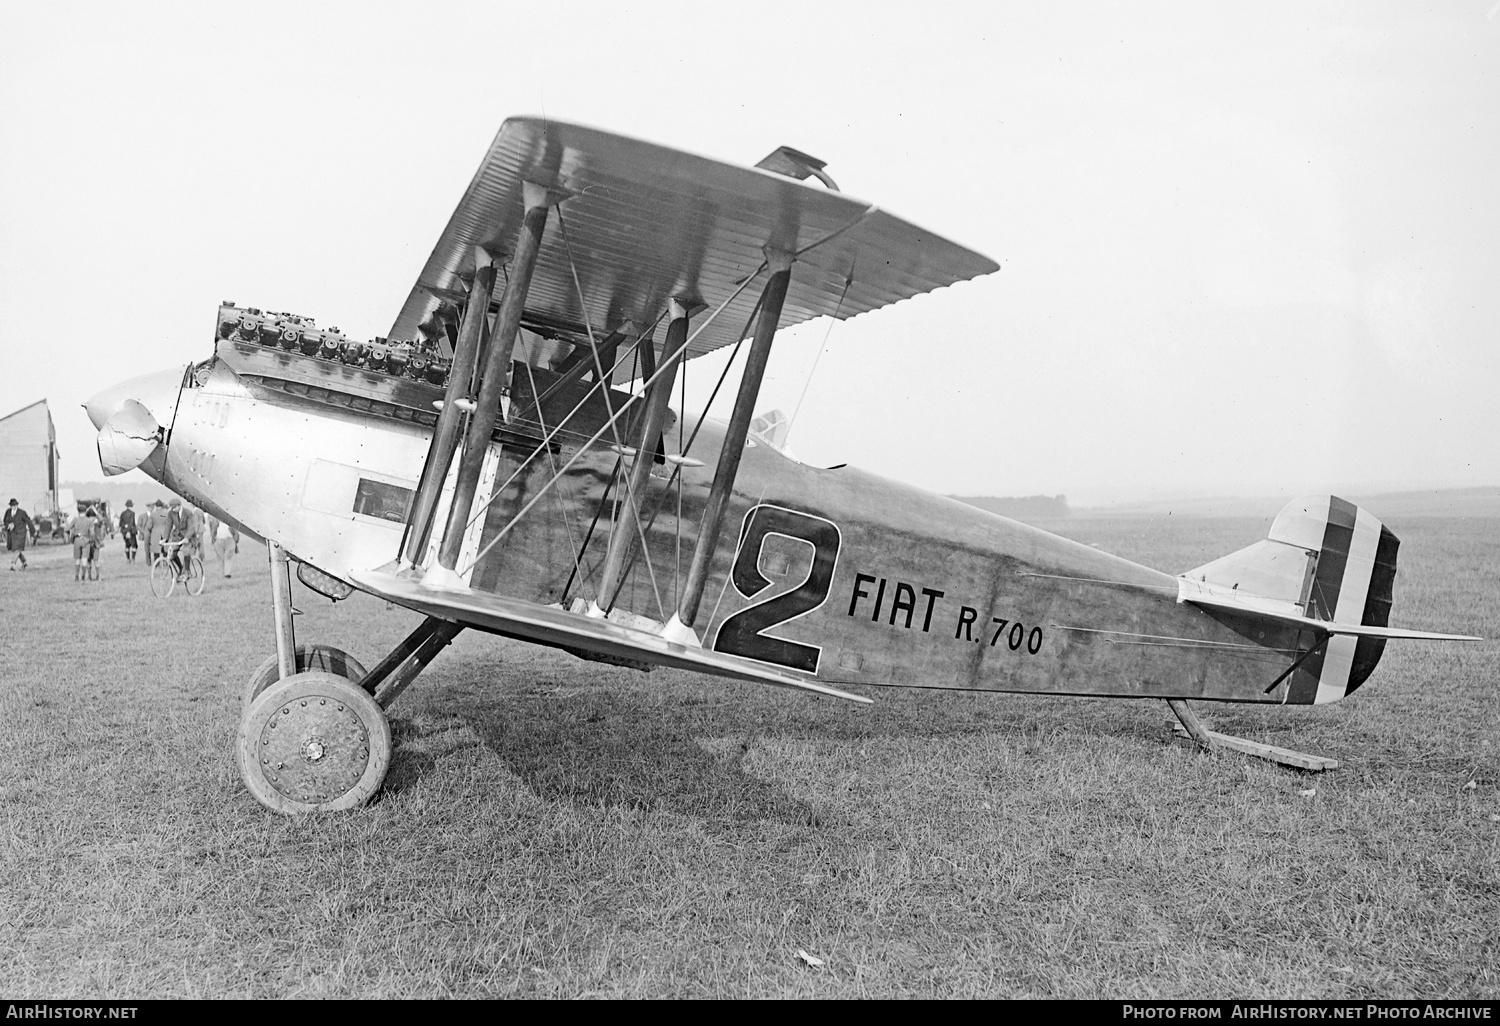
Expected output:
(645, 224)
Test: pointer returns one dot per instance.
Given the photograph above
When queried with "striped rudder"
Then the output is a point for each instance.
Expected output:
(1350, 573)
(1325, 560)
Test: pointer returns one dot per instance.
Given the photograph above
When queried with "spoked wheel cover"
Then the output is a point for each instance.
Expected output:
(315, 742)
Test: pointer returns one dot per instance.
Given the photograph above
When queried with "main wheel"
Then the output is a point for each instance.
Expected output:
(314, 743)
(309, 657)
(195, 578)
(163, 577)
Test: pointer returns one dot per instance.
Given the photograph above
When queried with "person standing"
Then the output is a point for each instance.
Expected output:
(18, 530)
(207, 527)
(82, 530)
(156, 530)
(148, 535)
(127, 530)
(194, 531)
(97, 535)
(226, 543)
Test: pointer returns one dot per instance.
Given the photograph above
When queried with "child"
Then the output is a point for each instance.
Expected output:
(83, 530)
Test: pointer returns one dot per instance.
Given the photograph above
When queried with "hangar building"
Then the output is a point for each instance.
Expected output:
(28, 459)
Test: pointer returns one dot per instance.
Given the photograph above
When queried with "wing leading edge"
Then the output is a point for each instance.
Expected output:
(643, 224)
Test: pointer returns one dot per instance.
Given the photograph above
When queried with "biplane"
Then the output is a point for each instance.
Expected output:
(508, 459)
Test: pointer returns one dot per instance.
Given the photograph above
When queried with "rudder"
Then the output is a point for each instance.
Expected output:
(1328, 560)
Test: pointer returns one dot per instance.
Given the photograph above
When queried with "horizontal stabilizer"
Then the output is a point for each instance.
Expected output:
(1327, 566)
(549, 626)
(1199, 595)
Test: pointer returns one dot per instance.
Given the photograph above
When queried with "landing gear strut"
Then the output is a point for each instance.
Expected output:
(314, 735)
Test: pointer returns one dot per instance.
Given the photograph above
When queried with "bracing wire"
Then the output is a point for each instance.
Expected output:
(791, 422)
(552, 460)
(589, 535)
(599, 433)
(546, 441)
(562, 225)
(676, 477)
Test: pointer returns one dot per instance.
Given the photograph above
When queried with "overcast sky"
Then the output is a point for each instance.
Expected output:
(1246, 248)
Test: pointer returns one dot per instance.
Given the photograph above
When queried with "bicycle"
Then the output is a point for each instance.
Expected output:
(169, 570)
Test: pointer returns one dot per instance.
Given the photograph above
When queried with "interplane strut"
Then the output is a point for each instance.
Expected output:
(680, 627)
(539, 202)
(446, 434)
(639, 470)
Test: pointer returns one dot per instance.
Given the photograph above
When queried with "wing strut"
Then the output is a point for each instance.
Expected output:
(645, 448)
(539, 202)
(680, 627)
(445, 436)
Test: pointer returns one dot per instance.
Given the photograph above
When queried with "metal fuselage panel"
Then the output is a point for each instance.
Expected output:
(927, 591)
(290, 471)
(837, 573)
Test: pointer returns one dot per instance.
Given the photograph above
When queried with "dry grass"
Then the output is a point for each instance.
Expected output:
(552, 827)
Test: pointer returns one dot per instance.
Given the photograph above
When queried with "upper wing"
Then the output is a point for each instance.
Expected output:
(645, 224)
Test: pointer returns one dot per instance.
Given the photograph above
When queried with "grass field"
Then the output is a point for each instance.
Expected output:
(554, 827)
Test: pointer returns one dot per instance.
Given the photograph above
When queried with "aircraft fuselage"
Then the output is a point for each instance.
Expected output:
(832, 572)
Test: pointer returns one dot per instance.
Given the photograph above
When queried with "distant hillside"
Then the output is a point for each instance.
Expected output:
(1028, 507)
(1436, 502)
(1446, 502)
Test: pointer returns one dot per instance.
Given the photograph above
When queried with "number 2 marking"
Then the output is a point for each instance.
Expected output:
(743, 634)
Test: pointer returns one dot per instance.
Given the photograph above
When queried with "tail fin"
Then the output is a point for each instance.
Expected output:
(1325, 560)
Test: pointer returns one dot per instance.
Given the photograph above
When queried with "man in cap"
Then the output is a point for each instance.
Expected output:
(18, 530)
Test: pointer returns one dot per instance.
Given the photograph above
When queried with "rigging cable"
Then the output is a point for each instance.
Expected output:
(597, 434)
(552, 460)
(546, 441)
(608, 406)
(677, 471)
(848, 281)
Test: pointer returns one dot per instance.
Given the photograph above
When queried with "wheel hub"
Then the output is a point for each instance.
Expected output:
(314, 749)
